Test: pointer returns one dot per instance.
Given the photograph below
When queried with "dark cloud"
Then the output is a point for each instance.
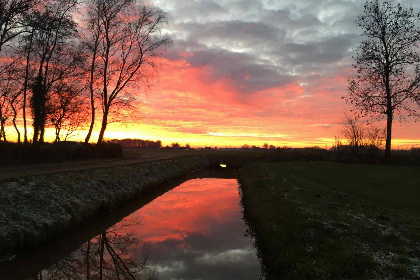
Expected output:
(260, 44)
(245, 6)
(243, 70)
(286, 19)
(249, 32)
(326, 51)
(197, 10)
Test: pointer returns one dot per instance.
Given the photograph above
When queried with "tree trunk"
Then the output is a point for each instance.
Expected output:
(388, 134)
(92, 100)
(57, 135)
(2, 130)
(36, 104)
(92, 122)
(43, 113)
(87, 261)
(36, 132)
(103, 127)
(2, 133)
(25, 129)
(101, 254)
(15, 126)
(41, 135)
(25, 88)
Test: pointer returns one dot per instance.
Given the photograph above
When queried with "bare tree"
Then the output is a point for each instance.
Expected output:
(375, 137)
(354, 132)
(25, 50)
(4, 115)
(10, 96)
(388, 63)
(65, 109)
(131, 40)
(93, 42)
(15, 104)
(361, 136)
(55, 29)
(12, 13)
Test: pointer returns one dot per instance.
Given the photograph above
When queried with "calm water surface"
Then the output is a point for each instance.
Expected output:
(194, 231)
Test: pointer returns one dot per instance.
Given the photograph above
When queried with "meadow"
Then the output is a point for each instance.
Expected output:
(317, 220)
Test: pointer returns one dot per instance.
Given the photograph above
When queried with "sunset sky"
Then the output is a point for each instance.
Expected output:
(254, 72)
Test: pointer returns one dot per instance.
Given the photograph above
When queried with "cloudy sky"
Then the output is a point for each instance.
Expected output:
(253, 71)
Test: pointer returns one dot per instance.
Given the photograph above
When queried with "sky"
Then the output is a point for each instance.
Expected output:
(254, 72)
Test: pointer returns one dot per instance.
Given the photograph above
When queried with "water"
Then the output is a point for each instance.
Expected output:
(194, 231)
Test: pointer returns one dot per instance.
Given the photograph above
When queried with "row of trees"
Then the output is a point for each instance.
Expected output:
(138, 143)
(61, 60)
(360, 136)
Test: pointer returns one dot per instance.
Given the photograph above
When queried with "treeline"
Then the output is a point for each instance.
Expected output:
(359, 138)
(138, 143)
(13, 153)
(66, 63)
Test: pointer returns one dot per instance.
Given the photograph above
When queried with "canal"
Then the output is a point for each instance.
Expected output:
(194, 231)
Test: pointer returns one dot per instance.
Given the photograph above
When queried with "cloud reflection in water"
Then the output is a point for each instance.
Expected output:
(196, 231)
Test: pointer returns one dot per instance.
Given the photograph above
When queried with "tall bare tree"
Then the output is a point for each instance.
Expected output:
(10, 96)
(93, 42)
(55, 29)
(388, 64)
(129, 41)
(15, 98)
(25, 50)
(15, 104)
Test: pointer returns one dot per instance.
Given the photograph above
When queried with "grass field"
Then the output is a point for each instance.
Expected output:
(334, 221)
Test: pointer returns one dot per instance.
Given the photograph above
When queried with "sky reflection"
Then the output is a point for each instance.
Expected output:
(195, 231)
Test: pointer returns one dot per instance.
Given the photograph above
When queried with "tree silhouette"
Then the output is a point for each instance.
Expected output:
(129, 40)
(110, 255)
(388, 64)
(25, 49)
(57, 56)
(56, 60)
(10, 96)
(65, 109)
(354, 132)
(4, 112)
(93, 39)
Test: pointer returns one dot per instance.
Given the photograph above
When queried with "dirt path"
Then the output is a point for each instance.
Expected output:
(130, 157)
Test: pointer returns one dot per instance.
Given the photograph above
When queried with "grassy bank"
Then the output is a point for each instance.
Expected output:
(334, 221)
(35, 208)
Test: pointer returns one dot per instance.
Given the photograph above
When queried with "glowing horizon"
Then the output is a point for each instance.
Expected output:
(205, 140)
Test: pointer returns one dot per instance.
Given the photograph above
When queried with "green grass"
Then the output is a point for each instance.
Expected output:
(334, 221)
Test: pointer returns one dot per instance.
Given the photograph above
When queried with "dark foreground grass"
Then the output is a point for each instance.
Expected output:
(334, 221)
